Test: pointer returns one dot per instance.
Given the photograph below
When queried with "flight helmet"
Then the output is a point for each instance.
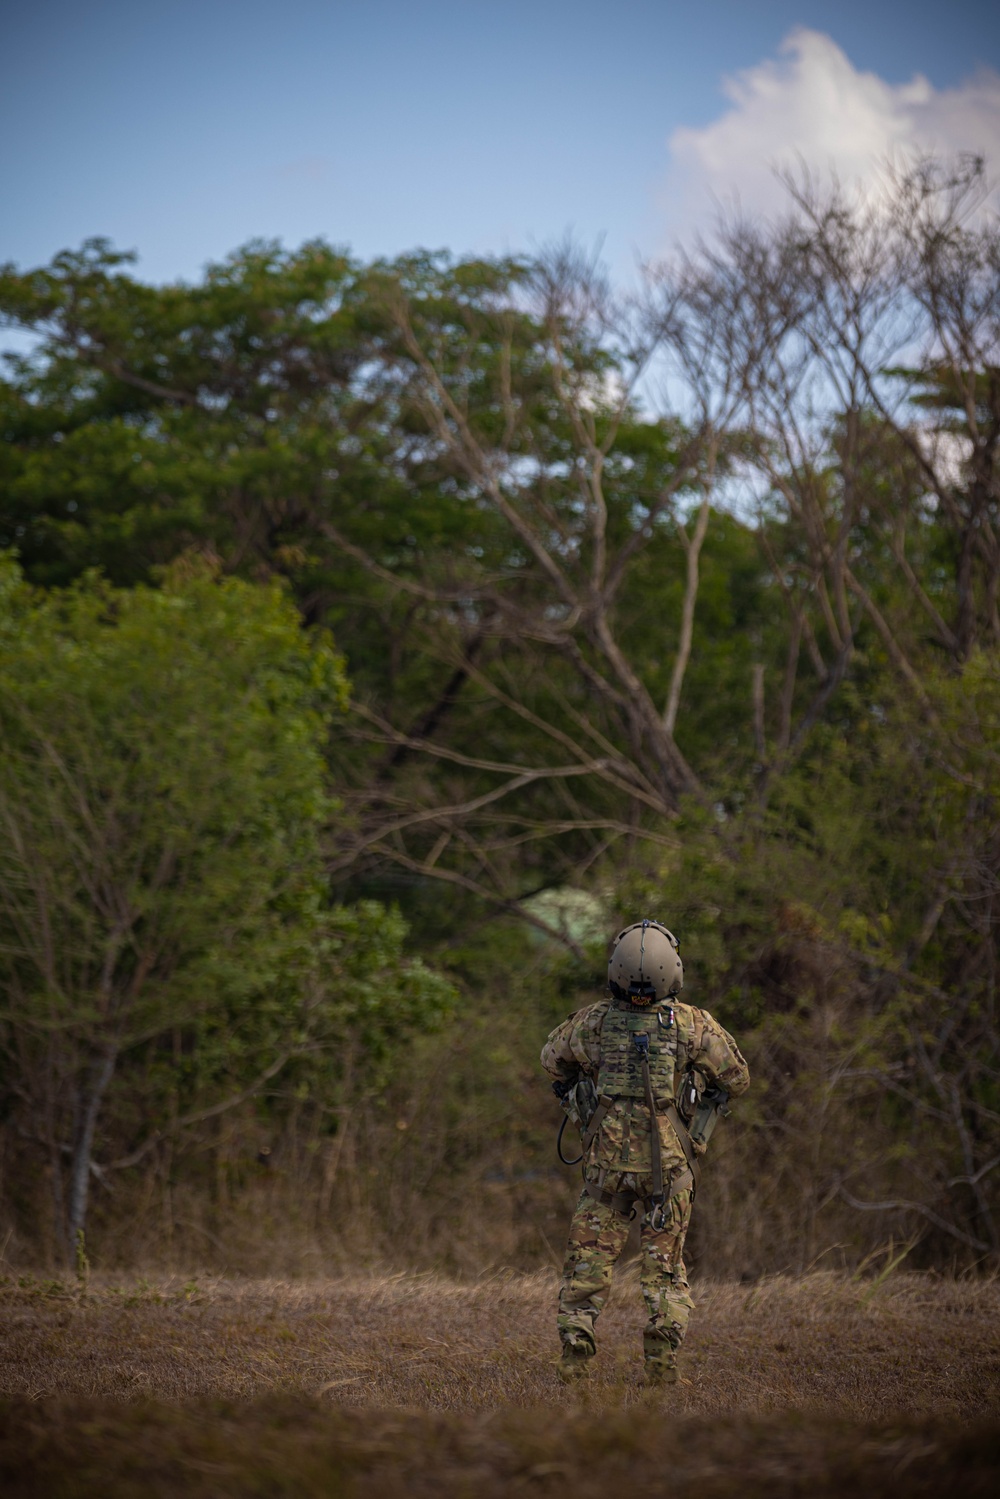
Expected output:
(645, 964)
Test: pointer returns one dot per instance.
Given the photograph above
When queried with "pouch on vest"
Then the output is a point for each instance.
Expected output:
(711, 1104)
(579, 1099)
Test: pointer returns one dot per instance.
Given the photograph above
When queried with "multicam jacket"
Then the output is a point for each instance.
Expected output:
(623, 1143)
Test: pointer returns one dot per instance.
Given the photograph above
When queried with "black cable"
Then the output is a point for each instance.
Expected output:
(559, 1153)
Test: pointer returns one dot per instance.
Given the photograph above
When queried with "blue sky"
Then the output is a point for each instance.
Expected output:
(183, 129)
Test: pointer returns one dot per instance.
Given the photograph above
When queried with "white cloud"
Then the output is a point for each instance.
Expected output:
(812, 103)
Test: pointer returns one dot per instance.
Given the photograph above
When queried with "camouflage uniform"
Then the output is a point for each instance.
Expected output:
(620, 1159)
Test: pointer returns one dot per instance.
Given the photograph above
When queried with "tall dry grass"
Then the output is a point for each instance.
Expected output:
(860, 1349)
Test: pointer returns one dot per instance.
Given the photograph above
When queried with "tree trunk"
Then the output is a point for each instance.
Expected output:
(79, 1176)
(965, 620)
(687, 613)
(757, 690)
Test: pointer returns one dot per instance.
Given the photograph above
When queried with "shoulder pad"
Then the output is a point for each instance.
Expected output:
(586, 1012)
(684, 1011)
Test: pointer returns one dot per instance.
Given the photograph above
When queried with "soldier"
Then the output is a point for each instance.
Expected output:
(617, 1065)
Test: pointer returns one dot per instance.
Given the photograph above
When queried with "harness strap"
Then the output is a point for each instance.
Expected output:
(680, 1130)
(654, 1133)
(596, 1120)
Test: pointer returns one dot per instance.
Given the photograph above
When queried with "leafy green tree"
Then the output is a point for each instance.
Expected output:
(425, 449)
(150, 419)
(166, 942)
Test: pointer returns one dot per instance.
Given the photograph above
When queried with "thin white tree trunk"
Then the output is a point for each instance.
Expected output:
(687, 613)
(79, 1181)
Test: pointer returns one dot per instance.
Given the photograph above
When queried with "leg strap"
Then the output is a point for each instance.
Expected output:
(681, 1183)
(624, 1202)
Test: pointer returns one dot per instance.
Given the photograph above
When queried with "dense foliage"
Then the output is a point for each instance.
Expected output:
(688, 601)
(167, 942)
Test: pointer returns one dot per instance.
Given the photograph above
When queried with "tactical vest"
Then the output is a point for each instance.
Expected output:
(620, 1074)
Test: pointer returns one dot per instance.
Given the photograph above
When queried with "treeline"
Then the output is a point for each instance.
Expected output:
(380, 636)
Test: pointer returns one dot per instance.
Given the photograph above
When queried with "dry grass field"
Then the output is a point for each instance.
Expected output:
(402, 1383)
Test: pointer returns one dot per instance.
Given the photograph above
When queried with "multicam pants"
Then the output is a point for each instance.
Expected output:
(597, 1237)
